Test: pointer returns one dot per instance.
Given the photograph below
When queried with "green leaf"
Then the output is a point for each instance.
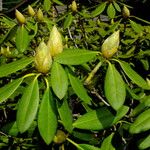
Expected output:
(9, 89)
(117, 6)
(114, 87)
(65, 114)
(136, 27)
(59, 80)
(28, 105)
(95, 120)
(12, 67)
(142, 123)
(47, 119)
(98, 10)
(22, 39)
(58, 2)
(136, 78)
(9, 35)
(111, 12)
(88, 147)
(144, 144)
(120, 113)
(106, 145)
(68, 21)
(75, 56)
(47, 5)
(79, 89)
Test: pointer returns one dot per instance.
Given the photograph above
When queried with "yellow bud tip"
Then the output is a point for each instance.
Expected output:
(74, 6)
(125, 12)
(40, 16)
(20, 18)
(55, 44)
(31, 11)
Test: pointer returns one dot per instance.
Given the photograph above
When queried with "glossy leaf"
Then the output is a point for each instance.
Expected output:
(114, 87)
(9, 89)
(136, 27)
(28, 105)
(88, 147)
(47, 119)
(22, 39)
(95, 120)
(65, 114)
(98, 10)
(12, 67)
(106, 145)
(75, 56)
(117, 6)
(111, 12)
(68, 21)
(120, 113)
(79, 89)
(144, 144)
(136, 78)
(59, 80)
(142, 123)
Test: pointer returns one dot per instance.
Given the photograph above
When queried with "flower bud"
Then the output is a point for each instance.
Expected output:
(55, 44)
(74, 6)
(60, 137)
(19, 16)
(40, 15)
(125, 12)
(31, 11)
(43, 58)
(110, 45)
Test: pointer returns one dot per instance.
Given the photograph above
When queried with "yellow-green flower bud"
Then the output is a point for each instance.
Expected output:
(31, 11)
(110, 45)
(43, 58)
(60, 137)
(55, 44)
(125, 12)
(74, 6)
(40, 16)
(19, 16)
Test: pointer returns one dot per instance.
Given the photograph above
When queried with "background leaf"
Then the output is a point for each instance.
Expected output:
(111, 12)
(47, 119)
(9, 89)
(75, 56)
(28, 105)
(144, 144)
(59, 80)
(114, 87)
(68, 21)
(12, 67)
(88, 147)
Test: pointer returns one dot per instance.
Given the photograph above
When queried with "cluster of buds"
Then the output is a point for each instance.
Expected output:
(44, 53)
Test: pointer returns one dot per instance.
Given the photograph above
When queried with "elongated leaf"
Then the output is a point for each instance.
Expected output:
(47, 119)
(9, 89)
(22, 39)
(136, 27)
(142, 123)
(79, 89)
(144, 144)
(68, 21)
(114, 87)
(120, 113)
(111, 12)
(95, 120)
(12, 67)
(88, 147)
(59, 80)
(106, 145)
(98, 10)
(136, 78)
(58, 2)
(75, 56)
(28, 105)
(65, 114)
(10, 34)
(47, 5)
(117, 6)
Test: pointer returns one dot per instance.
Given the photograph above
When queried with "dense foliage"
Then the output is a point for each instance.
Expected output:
(74, 76)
